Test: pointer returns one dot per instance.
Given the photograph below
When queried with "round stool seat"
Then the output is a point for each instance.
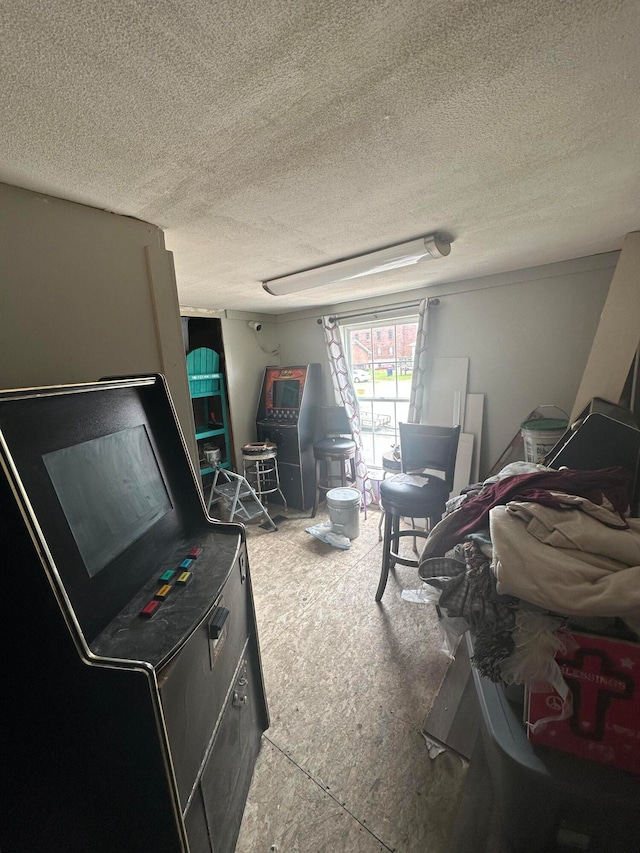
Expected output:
(390, 464)
(408, 499)
(400, 498)
(339, 447)
(260, 450)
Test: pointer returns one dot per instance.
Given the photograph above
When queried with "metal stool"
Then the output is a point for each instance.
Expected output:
(260, 468)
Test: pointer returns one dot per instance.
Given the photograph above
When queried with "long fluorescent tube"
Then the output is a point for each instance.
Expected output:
(391, 258)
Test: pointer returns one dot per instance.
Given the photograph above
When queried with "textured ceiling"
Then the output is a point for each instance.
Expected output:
(267, 136)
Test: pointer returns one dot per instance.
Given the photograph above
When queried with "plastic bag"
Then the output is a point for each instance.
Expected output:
(451, 627)
(325, 533)
(427, 594)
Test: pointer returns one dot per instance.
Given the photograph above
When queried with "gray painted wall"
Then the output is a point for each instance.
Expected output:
(527, 335)
(85, 294)
(247, 354)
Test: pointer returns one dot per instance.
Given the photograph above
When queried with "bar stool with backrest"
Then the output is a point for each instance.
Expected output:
(338, 448)
(423, 450)
(391, 464)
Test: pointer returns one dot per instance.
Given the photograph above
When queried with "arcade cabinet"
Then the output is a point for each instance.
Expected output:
(133, 703)
(289, 416)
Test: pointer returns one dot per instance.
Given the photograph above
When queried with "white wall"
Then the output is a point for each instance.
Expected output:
(85, 294)
(247, 353)
(527, 335)
(527, 345)
(302, 342)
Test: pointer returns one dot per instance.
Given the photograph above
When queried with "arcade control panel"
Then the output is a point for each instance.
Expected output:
(186, 586)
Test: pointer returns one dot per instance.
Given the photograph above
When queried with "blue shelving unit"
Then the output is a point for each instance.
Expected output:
(209, 400)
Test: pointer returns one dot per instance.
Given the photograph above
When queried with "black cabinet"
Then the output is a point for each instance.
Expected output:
(296, 464)
(289, 416)
(135, 704)
(225, 780)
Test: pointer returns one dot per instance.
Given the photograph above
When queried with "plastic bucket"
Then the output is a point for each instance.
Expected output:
(540, 436)
(344, 511)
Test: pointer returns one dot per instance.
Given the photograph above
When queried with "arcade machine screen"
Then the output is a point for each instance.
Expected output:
(286, 393)
(282, 393)
(111, 492)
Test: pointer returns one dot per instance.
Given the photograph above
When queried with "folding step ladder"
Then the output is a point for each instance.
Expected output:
(237, 497)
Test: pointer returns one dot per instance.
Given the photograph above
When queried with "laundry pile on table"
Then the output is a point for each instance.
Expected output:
(518, 556)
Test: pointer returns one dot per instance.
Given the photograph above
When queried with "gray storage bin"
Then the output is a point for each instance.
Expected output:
(546, 797)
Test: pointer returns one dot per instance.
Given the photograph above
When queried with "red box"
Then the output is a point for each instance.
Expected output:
(603, 676)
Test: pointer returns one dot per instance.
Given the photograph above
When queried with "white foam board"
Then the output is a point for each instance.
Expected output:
(473, 424)
(462, 476)
(447, 395)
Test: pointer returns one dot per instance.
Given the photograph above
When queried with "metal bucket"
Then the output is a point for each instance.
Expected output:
(344, 511)
(213, 455)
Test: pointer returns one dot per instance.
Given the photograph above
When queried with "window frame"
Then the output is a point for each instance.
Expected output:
(379, 435)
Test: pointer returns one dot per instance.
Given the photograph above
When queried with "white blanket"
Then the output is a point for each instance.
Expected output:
(567, 560)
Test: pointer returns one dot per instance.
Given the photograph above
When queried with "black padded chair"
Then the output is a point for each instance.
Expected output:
(337, 448)
(421, 447)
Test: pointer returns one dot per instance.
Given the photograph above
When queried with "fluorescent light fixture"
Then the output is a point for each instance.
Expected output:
(391, 258)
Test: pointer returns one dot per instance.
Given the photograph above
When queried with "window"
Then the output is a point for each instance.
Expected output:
(383, 394)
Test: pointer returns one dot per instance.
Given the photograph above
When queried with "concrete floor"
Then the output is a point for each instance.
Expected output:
(344, 766)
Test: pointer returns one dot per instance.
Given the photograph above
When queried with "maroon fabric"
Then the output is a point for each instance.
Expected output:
(610, 483)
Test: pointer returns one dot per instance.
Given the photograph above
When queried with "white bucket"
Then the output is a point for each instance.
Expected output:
(541, 436)
(344, 511)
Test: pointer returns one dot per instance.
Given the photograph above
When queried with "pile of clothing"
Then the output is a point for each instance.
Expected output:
(517, 557)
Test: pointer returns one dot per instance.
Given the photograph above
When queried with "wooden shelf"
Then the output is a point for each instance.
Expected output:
(208, 433)
(206, 383)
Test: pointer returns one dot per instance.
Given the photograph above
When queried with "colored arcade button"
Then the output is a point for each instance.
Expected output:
(163, 592)
(165, 577)
(195, 552)
(149, 609)
(185, 564)
(184, 578)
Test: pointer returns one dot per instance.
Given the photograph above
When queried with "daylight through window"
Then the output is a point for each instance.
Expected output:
(382, 378)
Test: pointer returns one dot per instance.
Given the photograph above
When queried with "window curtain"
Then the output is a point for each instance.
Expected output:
(346, 396)
(417, 408)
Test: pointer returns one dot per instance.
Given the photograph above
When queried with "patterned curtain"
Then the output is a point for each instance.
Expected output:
(346, 396)
(419, 377)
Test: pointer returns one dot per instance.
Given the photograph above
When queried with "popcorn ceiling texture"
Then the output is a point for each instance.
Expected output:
(267, 137)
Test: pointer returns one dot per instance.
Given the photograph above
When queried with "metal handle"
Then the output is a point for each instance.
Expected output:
(551, 406)
(216, 624)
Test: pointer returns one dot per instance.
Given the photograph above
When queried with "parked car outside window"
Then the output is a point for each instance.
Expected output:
(359, 374)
